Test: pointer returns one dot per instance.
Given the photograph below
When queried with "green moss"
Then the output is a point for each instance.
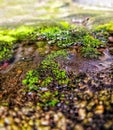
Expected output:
(66, 25)
(105, 27)
(89, 52)
(48, 71)
(102, 32)
(46, 81)
(59, 53)
(48, 98)
(31, 80)
(60, 34)
(22, 32)
(10, 36)
(52, 69)
(90, 41)
(90, 45)
(6, 44)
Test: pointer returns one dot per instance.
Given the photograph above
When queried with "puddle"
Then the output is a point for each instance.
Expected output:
(77, 64)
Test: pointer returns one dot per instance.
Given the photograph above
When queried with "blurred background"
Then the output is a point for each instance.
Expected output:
(14, 12)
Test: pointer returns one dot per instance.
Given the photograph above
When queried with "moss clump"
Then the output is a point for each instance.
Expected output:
(21, 33)
(59, 35)
(48, 72)
(52, 69)
(90, 41)
(105, 27)
(9, 37)
(31, 80)
(48, 98)
(6, 45)
(90, 52)
(59, 53)
(102, 32)
(90, 45)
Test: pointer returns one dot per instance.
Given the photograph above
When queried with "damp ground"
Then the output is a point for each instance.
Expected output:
(86, 103)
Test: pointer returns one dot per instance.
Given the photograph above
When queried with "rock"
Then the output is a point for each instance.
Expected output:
(17, 120)
(8, 120)
(44, 122)
(110, 39)
(99, 109)
(111, 51)
(31, 123)
(82, 113)
(78, 127)
(112, 98)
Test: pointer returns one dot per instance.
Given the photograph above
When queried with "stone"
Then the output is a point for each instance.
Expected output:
(110, 39)
(111, 51)
(99, 109)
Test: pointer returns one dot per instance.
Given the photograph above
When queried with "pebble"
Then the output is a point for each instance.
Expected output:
(112, 98)
(78, 127)
(31, 122)
(19, 71)
(56, 118)
(17, 120)
(99, 109)
(45, 122)
(82, 113)
(110, 39)
(111, 51)
(8, 120)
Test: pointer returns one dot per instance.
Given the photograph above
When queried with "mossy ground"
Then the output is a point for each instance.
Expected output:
(32, 91)
(60, 34)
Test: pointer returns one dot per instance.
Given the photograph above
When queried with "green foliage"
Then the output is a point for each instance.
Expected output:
(65, 39)
(59, 35)
(90, 41)
(47, 72)
(90, 52)
(46, 81)
(101, 32)
(59, 53)
(6, 44)
(52, 69)
(66, 25)
(90, 45)
(48, 98)
(9, 37)
(22, 32)
(31, 80)
(80, 32)
(105, 27)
